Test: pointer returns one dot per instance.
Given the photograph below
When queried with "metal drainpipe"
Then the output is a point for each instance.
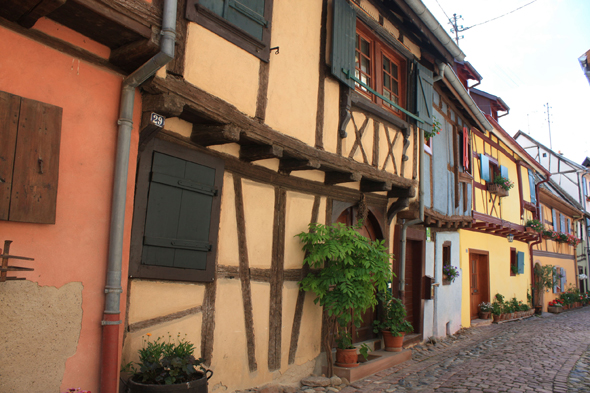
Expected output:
(538, 241)
(110, 332)
(402, 280)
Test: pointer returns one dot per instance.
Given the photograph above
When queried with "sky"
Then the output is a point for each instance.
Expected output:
(529, 58)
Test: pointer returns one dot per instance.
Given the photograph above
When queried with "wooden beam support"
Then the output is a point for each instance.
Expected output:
(208, 135)
(397, 192)
(40, 10)
(260, 152)
(167, 105)
(131, 56)
(396, 207)
(293, 164)
(151, 124)
(371, 185)
(332, 178)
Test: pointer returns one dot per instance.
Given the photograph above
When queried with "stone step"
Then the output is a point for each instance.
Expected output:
(377, 361)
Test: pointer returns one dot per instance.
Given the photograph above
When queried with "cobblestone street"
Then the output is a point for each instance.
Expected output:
(549, 354)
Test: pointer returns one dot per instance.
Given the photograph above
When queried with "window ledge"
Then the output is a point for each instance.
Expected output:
(361, 102)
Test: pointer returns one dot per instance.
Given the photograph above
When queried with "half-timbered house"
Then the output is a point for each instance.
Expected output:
(574, 179)
(497, 241)
(278, 114)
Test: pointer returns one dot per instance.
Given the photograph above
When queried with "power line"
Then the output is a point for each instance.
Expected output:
(498, 17)
(444, 11)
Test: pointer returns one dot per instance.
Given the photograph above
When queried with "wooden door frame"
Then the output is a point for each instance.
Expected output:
(487, 255)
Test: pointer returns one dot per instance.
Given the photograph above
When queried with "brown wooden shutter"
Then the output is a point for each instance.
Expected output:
(36, 163)
(9, 108)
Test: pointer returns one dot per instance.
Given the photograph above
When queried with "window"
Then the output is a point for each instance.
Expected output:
(29, 154)
(176, 219)
(559, 279)
(246, 23)
(513, 262)
(555, 223)
(379, 68)
(446, 258)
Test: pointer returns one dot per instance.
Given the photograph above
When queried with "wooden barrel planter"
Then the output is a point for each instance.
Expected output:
(197, 386)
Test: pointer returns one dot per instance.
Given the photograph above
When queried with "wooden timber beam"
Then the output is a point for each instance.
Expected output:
(260, 152)
(292, 164)
(332, 177)
(149, 127)
(207, 106)
(371, 185)
(209, 135)
(402, 192)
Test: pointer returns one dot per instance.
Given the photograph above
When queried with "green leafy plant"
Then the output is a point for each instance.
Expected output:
(562, 238)
(535, 225)
(166, 362)
(514, 269)
(394, 314)
(550, 235)
(436, 127)
(451, 272)
(503, 182)
(349, 270)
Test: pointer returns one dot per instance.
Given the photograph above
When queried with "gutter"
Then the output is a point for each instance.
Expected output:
(109, 377)
(420, 219)
(460, 89)
(430, 21)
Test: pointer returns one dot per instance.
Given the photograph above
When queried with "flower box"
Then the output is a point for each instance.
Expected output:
(554, 309)
(498, 190)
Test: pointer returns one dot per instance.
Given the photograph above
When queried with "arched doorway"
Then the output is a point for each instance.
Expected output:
(372, 230)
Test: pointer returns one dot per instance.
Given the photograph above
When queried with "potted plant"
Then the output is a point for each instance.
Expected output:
(392, 325)
(436, 127)
(346, 352)
(167, 366)
(485, 309)
(534, 225)
(348, 270)
(544, 281)
(551, 235)
(450, 273)
(514, 269)
(500, 186)
(555, 306)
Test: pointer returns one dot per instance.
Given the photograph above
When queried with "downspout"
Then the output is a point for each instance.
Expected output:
(538, 241)
(110, 332)
(402, 280)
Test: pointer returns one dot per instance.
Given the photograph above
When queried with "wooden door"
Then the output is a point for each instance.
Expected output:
(412, 299)
(370, 230)
(478, 281)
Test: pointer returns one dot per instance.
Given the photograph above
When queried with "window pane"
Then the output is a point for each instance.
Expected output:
(394, 87)
(386, 82)
(386, 64)
(357, 42)
(365, 65)
(452, 116)
(394, 71)
(365, 47)
(356, 60)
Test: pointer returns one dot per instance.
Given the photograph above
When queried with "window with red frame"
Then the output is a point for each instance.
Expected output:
(513, 262)
(380, 68)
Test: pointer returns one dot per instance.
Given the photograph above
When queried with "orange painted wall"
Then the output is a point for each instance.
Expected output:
(75, 248)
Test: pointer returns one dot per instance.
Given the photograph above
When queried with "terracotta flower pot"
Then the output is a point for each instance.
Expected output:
(484, 315)
(496, 318)
(197, 386)
(346, 357)
(393, 343)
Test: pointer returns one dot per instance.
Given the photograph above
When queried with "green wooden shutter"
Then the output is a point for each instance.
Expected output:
(555, 281)
(248, 15)
(520, 262)
(343, 36)
(485, 167)
(424, 96)
(562, 228)
(585, 187)
(178, 213)
(555, 223)
(532, 187)
(504, 172)
(568, 226)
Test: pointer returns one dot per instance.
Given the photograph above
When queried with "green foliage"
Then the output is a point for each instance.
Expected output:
(514, 269)
(503, 182)
(394, 314)
(534, 225)
(352, 268)
(571, 296)
(436, 127)
(165, 363)
(546, 279)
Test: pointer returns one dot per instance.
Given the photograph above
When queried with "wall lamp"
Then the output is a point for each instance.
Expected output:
(510, 238)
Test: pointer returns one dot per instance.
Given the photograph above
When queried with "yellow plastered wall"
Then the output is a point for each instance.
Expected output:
(499, 268)
(259, 202)
(570, 272)
(331, 114)
(219, 67)
(294, 73)
(511, 204)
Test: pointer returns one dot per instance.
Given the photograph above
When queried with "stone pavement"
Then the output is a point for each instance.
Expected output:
(533, 355)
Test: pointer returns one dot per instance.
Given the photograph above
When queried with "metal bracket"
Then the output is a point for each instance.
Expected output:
(103, 323)
(113, 290)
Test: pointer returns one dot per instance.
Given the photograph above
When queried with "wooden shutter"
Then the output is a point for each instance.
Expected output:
(33, 193)
(585, 188)
(520, 259)
(424, 81)
(555, 281)
(568, 226)
(343, 36)
(504, 172)
(532, 187)
(485, 167)
(563, 279)
(178, 213)
(9, 110)
(248, 15)
(465, 149)
(555, 222)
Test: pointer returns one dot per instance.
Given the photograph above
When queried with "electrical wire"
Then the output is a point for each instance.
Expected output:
(498, 17)
(444, 11)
